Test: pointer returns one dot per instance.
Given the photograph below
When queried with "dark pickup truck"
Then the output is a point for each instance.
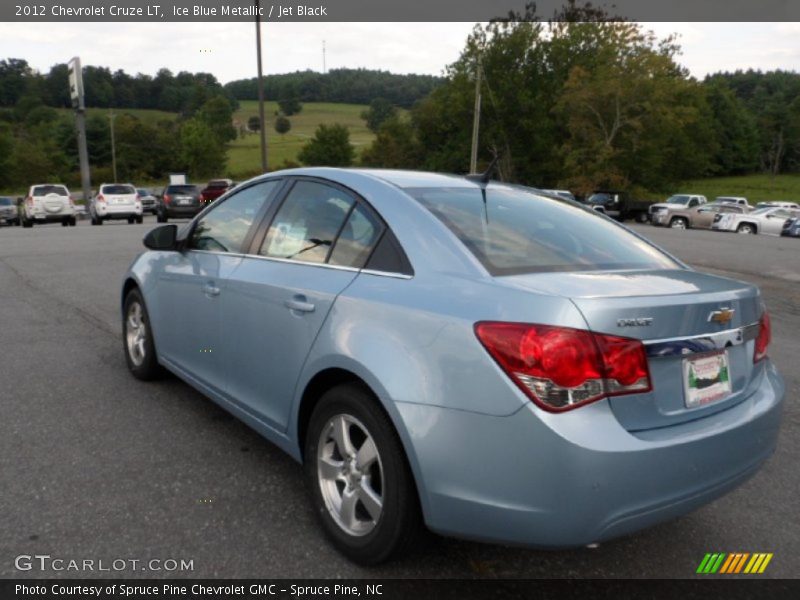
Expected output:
(619, 205)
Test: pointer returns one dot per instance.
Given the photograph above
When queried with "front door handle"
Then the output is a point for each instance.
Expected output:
(300, 304)
(211, 290)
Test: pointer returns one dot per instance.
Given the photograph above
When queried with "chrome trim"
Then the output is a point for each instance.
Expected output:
(698, 344)
(307, 264)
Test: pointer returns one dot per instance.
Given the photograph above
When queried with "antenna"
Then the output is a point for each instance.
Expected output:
(486, 176)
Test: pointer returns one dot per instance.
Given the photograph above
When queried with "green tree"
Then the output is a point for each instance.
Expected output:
(202, 152)
(330, 147)
(217, 113)
(395, 147)
(282, 125)
(290, 105)
(380, 110)
(254, 123)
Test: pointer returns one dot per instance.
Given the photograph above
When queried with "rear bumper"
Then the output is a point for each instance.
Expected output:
(118, 212)
(182, 211)
(570, 479)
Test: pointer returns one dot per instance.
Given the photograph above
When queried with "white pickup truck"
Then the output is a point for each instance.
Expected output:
(47, 203)
(660, 210)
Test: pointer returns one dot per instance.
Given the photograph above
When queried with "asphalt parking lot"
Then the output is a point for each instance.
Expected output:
(95, 464)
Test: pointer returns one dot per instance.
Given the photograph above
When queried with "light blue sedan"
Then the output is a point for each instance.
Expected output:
(490, 362)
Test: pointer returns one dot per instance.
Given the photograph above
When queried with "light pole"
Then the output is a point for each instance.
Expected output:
(263, 127)
(111, 117)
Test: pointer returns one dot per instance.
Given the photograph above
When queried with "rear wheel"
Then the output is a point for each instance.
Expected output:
(678, 223)
(140, 219)
(73, 221)
(65, 223)
(26, 222)
(360, 481)
(131, 220)
(746, 228)
(137, 338)
(161, 217)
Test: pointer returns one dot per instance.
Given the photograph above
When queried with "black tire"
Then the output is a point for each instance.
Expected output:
(149, 368)
(27, 223)
(65, 223)
(747, 228)
(131, 220)
(73, 221)
(161, 217)
(641, 217)
(139, 219)
(400, 522)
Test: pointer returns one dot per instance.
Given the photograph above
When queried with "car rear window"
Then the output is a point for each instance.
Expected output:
(119, 189)
(6, 202)
(182, 189)
(44, 190)
(511, 230)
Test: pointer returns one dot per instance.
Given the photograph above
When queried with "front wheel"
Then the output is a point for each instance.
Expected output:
(678, 223)
(746, 229)
(137, 338)
(360, 482)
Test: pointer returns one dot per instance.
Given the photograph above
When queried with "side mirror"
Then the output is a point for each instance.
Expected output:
(162, 238)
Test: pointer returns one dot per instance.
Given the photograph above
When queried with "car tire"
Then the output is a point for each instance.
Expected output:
(65, 223)
(137, 338)
(746, 228)
(161, 217)
(73, 221)
(131, 220)
(642, 217)
(358, 533)
(678, 223)
(139, 219)
(27, 223)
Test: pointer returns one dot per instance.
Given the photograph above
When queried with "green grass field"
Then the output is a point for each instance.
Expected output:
(756, 188)
(244, 154)
(150, 117)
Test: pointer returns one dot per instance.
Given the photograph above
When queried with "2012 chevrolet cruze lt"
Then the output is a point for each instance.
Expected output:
(487, 360)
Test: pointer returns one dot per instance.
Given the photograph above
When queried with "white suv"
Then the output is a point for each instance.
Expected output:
(46, 203)
(116, 201)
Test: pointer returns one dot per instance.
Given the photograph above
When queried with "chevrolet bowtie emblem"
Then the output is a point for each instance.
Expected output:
(722, 316)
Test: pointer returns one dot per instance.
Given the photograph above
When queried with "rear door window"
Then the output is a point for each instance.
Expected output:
(45, 190)
(308, 223)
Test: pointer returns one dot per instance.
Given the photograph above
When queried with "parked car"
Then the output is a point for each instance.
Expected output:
(676, 202)
(791, 228)
(215, 189)
(492, 362)
(148, 200)
(762, 220)
(116, 201)
(47, 203)
(740, 200)
(563, 193)
(779, 204)
(178, 201)
(699, 217)
(619, 205)
(8, 211)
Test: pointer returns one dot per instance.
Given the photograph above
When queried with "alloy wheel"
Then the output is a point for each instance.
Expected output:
(136, 334)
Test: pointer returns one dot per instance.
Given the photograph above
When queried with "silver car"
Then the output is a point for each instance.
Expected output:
(767, 221)
(476, 357)
(8, 211)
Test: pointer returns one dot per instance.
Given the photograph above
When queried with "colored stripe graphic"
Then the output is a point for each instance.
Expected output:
(733, 563)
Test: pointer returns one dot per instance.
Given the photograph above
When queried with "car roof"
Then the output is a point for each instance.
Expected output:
(397, 177)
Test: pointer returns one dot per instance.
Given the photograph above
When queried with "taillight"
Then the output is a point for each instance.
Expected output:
(763, 339)
(101, 198)
(167, 199)
(561, 368)
(29, 201)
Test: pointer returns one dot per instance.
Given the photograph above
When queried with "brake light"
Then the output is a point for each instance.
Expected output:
(29, 201)
(561, 368)
(167, 199)
(101, 198)
(763, 339)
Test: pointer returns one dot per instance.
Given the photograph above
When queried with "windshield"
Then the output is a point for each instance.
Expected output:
(118, 189)
(44, 190)
(143, 192)
(599, 198)
(678, 200)
(762, 211)
(6, 202)
(515, 231)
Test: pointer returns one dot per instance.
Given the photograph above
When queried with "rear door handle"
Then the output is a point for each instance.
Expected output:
(300, 304)
(210, 289)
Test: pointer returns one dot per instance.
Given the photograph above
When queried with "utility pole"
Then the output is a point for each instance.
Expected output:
(263, 128)
(476, 120)
(111, 117)
(76, 94)
(324, 66)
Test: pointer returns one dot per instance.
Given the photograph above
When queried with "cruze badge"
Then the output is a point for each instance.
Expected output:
(722, 316)
(635, 322)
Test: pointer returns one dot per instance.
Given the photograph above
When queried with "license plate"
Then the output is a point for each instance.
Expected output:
(706, 379)
(184, 202)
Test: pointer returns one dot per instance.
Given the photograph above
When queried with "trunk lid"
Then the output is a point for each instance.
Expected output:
(680, 315)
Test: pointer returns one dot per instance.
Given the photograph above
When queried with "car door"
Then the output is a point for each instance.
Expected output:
(279, 296)
(773, 222)
(191, 284)
(704, 215)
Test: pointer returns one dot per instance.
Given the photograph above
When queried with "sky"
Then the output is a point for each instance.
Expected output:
(227, 50)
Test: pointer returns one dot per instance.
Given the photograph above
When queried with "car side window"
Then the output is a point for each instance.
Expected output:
(693, 202)
(306, 226)
(358, 237)
(225, 227)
